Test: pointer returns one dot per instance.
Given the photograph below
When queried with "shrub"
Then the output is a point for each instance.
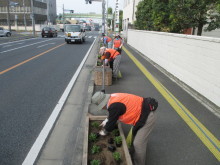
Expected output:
(95, 162)
(95, 149)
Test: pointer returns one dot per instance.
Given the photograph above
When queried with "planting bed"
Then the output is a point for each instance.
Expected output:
(105, 150)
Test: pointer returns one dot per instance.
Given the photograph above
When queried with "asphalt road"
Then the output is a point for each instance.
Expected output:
(33, 75)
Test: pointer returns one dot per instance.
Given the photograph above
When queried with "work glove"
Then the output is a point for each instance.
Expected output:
(103, 132)
(104, 123)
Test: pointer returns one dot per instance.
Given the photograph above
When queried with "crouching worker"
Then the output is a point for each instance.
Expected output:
(129, 109)
(113, 58)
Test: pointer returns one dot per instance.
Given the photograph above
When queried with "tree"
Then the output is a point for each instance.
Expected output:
(120, 20)
(110, 13)
(195, 13)
(177, 15)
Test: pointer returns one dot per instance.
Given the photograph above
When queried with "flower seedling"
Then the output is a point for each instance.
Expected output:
(115, 132)
(117, 156)
(95, 149)
(118, 141)
(92, 137)
(95, 124)
(99, 63)
(95, 162)
(99, 56)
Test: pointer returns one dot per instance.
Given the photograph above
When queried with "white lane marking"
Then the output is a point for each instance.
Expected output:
(90, 37)
(23, 46)
(45, 45)
(12, 45)
(38, 144)
(6, 46)
(18, 41)
(95, 37)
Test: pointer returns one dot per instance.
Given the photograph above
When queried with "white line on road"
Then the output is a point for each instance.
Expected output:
(90, 37)
(24, 46)
(45, 45)
(6, 46)
(18, 41)
(38, 144)
(12, 45)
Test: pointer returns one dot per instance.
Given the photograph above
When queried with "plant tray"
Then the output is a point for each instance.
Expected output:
(105, 156)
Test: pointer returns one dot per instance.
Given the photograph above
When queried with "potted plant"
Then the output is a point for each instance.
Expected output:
(115, 132)
(118, 141)
(111, 148)
(95, 162)
(117, 157)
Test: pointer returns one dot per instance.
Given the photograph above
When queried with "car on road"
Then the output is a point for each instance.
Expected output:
(74, 33)
(88, 28)
(4, 32)
(48, 32)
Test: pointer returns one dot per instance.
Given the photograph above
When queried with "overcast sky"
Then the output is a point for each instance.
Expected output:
(79, 6)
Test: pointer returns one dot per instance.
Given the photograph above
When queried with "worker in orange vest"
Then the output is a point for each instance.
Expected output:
(129, 109)
(117, 43)
(107, 41)
(112, 58)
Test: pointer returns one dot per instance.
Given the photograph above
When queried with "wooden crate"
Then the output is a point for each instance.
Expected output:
(85, 146)
(99, 75)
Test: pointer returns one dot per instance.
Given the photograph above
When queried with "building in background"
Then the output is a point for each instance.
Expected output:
(129, 9)
(21, 14)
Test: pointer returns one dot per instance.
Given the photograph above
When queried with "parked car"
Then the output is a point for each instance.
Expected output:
(74, 33)
(49, 32)
(4, 32)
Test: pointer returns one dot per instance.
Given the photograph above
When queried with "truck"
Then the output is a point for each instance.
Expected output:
(74, 33)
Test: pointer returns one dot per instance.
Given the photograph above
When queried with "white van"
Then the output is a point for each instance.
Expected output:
(74, 33)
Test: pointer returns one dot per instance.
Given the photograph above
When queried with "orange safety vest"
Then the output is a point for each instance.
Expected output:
(108, 39)
(133, 105)
(117, 43)
(113, 53)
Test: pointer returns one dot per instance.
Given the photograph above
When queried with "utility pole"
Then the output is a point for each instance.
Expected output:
(63, 17)
(32, 16)
(8, 15)
(25, 24)
(103, 16)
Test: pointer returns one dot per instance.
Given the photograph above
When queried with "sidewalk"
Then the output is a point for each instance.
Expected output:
(172, 141)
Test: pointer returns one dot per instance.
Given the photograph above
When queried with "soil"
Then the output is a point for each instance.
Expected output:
(105, 156)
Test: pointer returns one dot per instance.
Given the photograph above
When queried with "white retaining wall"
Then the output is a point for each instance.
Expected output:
(195, 60)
